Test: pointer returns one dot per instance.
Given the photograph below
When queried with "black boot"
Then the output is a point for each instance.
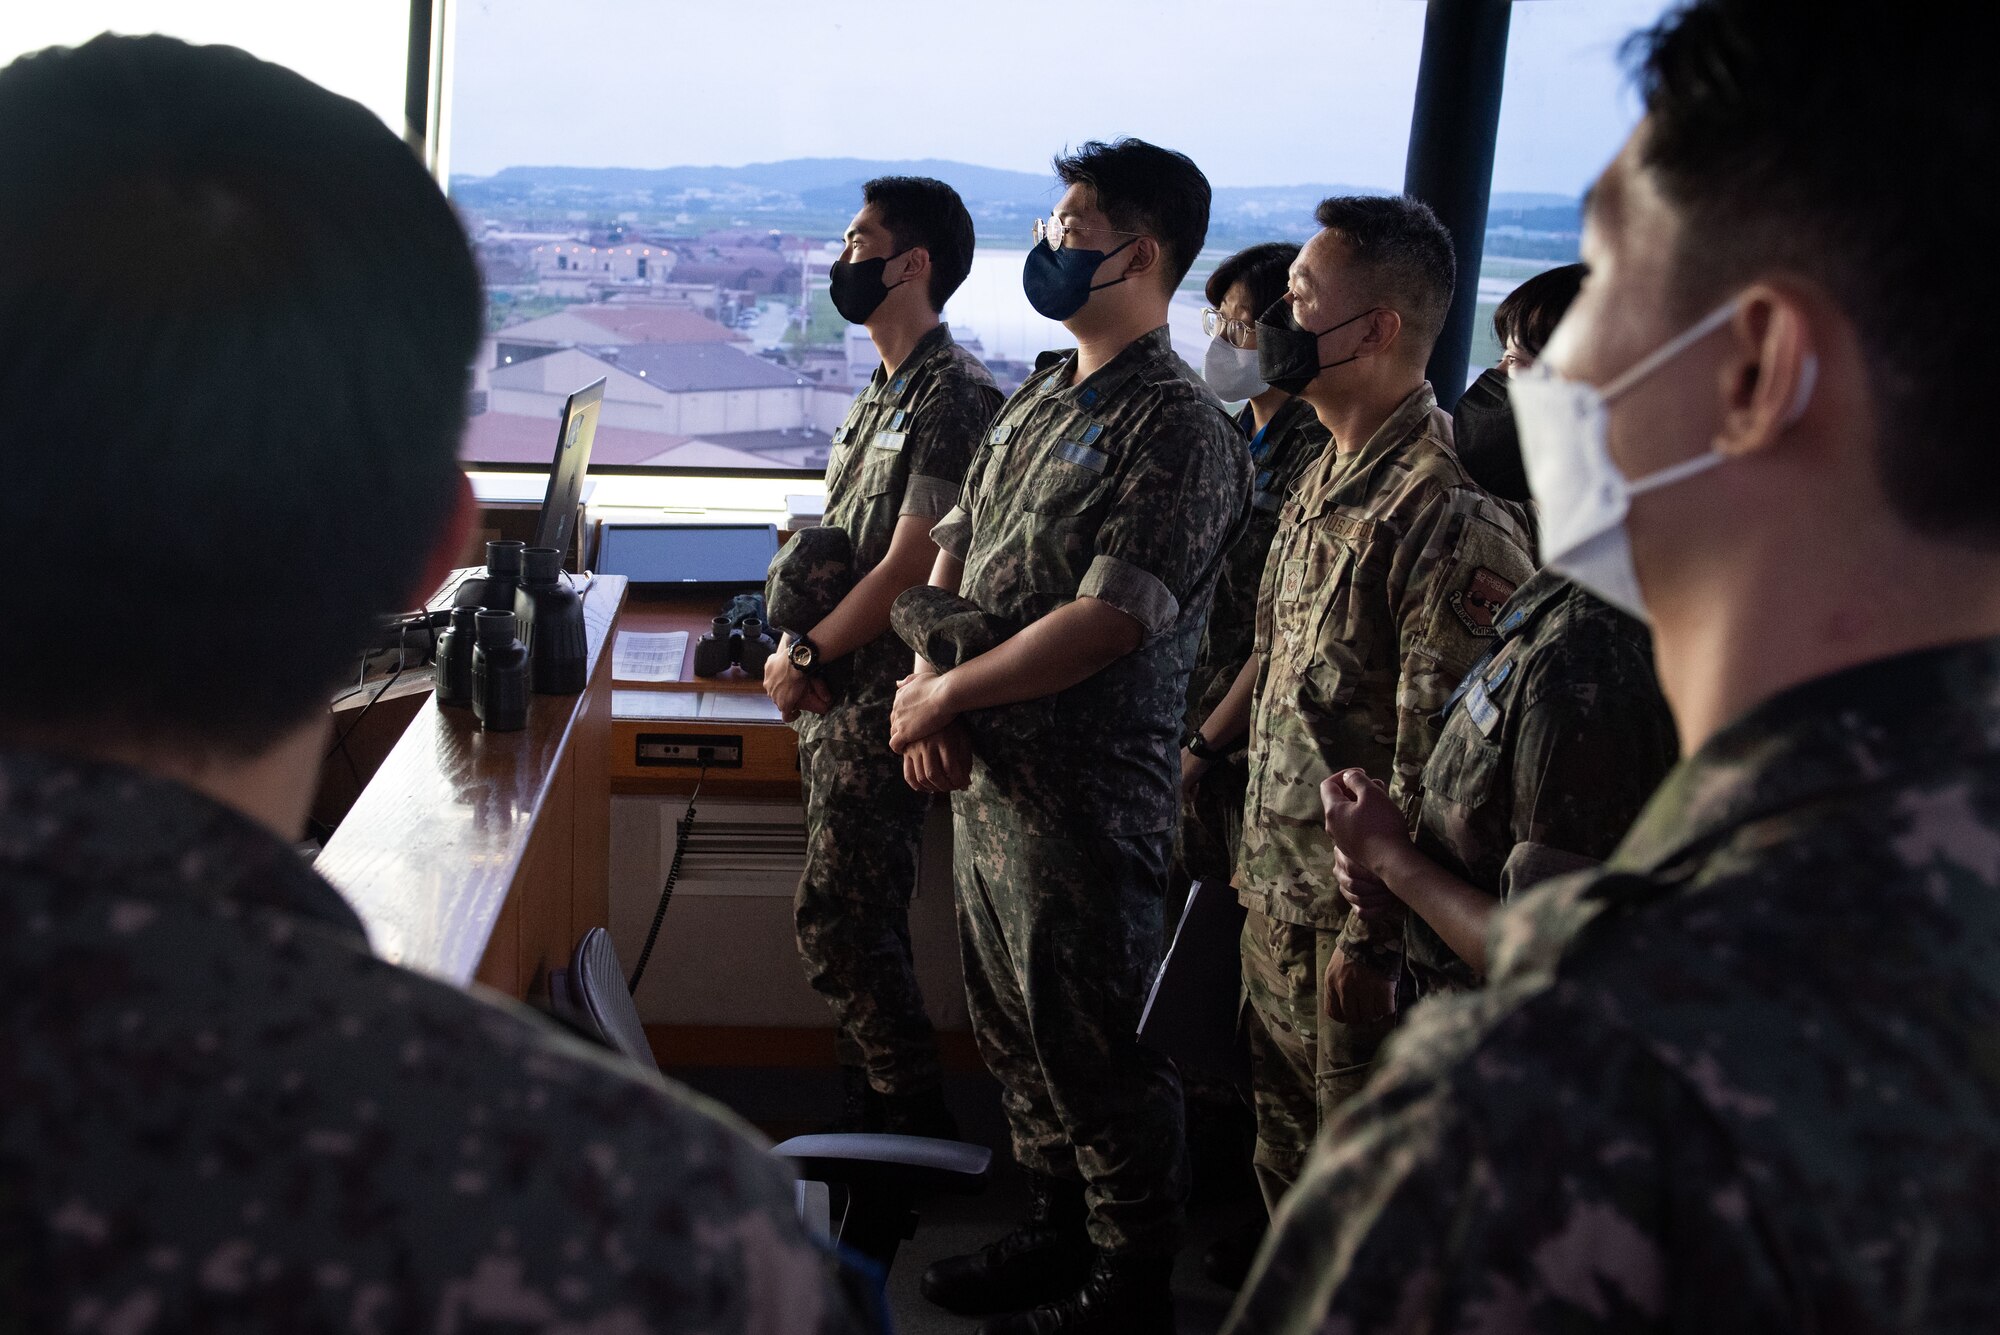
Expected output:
(1046, 1256)
(919, 1115)
(1124, 1295)
(860, 1105)
(1227, 1260)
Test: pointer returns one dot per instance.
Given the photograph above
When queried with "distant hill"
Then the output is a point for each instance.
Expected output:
(835, 183)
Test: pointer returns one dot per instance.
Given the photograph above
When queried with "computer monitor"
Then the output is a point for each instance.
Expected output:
(578, 431)
(688, 556)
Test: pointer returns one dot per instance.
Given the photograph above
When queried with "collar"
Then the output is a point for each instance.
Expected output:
(1859, 728)
(934, 341)
(1542, 590)
(97, 827)
(1102, 388)
(1341, 475)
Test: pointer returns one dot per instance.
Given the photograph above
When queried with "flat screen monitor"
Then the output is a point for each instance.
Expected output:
(698, 556)
(574, 437)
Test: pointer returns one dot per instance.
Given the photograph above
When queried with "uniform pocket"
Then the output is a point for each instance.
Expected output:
(1464, 767)
(1061, 487)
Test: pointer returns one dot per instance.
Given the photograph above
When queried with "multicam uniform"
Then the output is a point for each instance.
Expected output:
(222, 1112)
(1212, 824)
(1389, 570)
(1741, 1078)
(1549, 751)
(901, 452)
(1126, 488)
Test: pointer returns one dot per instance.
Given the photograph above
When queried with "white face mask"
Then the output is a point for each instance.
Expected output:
(1581, 496)
(1231, 372)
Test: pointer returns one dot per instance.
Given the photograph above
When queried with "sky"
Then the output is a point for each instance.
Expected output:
(1258, 92)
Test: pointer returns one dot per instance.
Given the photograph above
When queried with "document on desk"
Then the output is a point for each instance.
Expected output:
(643, 656)
(655, 704)
(739, 705)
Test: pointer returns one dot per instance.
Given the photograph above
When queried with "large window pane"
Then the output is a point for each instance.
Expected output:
(657, 187)
(1567, 107)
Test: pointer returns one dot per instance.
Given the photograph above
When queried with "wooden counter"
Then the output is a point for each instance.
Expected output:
(486, 855)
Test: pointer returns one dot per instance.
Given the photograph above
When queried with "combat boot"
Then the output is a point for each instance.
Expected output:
(919, 1115)
(1046, 1256)
(1124, 1295)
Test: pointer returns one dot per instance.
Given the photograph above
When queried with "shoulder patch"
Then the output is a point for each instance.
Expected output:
(1480, 601)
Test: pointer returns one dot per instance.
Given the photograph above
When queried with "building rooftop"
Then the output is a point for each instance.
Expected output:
(680, 368)
(621, 323)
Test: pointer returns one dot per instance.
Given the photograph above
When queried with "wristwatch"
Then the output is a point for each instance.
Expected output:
(1199, 748)
(804, 654)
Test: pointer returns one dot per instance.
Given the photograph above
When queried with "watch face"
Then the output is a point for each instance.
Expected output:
(802, 656)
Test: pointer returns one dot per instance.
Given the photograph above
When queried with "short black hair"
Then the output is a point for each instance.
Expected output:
(1532, 311)
(1829, 140)
(238, 316)
(920, 211)
(1405, 254)
(1264, 270)
(1146, 189)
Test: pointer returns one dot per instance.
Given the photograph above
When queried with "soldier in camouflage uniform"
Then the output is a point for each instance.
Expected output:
(1550, 748)
(1285, 438)
(219, 1110)
(1095, 517)
(1381, 589)
(1742, 1077)
(898, 461)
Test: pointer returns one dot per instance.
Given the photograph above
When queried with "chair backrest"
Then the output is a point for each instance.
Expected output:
(596, 985)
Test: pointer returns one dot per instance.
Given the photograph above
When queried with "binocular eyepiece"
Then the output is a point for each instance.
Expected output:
(725, 646)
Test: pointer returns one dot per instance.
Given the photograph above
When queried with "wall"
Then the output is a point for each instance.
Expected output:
(732, 960)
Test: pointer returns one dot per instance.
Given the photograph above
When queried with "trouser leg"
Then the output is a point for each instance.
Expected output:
(864, 829)
(1069, 940)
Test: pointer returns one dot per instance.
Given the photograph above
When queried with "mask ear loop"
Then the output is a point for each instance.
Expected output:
(1802, 396)
(1667, 351)
(1099, 287)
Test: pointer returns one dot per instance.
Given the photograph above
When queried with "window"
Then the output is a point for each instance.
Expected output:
(1566, 108)
(742, 170)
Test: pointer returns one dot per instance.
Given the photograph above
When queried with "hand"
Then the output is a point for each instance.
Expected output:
(1355, 993)
(1362, 820)
(922, 709)
(940, 763)
(1362, 888)
(1193, 767)
(818, 698)
(788, 687)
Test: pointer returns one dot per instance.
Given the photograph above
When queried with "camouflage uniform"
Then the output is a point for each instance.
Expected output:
(1549, 751)
(1741, 1078)
(1212, 825)
(222, 1112)
(1127, 488)
(902, 451)
(1382, 588)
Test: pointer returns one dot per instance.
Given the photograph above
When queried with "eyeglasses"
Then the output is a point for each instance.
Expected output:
(1052, 231)
(1236, 333)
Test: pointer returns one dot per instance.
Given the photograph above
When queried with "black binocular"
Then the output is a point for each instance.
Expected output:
(745, 644)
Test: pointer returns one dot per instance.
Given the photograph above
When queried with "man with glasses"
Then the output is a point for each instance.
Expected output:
(1094, 518)
(1381, 590)
(1743, 1077)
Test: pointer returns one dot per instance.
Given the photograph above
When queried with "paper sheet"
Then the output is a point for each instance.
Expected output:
(739, 705)
(655, 704)
(640, 656)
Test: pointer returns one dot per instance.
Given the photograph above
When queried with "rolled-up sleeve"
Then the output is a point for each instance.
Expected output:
(928, 497)
(1139, 594)
(953, 533)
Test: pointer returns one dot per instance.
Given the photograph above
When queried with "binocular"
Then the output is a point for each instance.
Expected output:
(745, 644)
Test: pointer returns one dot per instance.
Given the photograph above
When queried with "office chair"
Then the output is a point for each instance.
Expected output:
(878, 1177)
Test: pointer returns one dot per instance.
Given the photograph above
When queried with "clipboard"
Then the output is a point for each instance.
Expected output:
(1194, 1014)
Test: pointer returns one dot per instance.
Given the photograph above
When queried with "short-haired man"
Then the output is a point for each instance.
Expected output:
(237, 318)
(898, 462)
(1743, 1077)
(1095, 519)
(1380, 591)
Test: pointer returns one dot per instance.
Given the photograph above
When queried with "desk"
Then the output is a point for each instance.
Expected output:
(770, 766)
(486, 855)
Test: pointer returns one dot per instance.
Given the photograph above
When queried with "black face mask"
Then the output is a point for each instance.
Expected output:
(1488, 445)
(1287, 355)
(857, 288)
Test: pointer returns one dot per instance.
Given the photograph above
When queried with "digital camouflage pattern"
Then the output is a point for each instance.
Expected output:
(1212, 824)
(809, 577)
(944, 628)
(1742, 1078)
(1303, 1065)
(1547, 756)
(902, 451)
(1383, 585)
(1127, 488)
(1061, 937)
(222, 1112)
